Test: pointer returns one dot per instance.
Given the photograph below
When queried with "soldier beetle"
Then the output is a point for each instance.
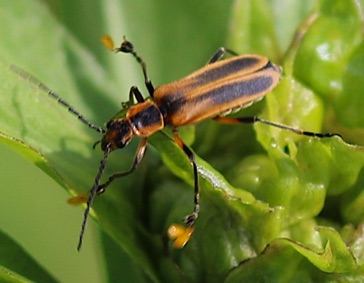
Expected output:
(210, 92)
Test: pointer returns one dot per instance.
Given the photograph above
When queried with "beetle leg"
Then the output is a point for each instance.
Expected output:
(127, 47)
(138, 158)
(255, 119)
(219, 54)
(98, 189)
(190, 219)
(134, 91)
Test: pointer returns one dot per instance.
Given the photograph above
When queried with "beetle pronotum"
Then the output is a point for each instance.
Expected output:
(210, 92)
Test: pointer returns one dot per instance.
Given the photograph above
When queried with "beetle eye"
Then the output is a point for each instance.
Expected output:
(108, 124)
(124, 135)
(118, 134)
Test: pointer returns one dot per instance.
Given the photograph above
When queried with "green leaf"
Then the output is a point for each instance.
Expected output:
(7, 276)
(331, 65)
(15, 264)
(284, 261)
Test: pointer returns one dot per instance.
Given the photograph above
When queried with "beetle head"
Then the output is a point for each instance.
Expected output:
(118, 134)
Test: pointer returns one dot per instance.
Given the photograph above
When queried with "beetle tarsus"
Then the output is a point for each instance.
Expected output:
(190, 219)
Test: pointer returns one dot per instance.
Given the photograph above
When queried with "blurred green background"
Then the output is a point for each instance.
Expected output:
(35, 213)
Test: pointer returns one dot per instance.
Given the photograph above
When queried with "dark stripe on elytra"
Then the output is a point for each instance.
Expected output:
(226, 69)
(211, 75)
(220, 95)
(229, 92)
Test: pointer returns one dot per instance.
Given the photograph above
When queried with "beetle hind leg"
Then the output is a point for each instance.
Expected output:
(255, 119)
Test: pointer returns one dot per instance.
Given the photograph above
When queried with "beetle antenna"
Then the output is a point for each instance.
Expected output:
(28, 77)
(93, 194)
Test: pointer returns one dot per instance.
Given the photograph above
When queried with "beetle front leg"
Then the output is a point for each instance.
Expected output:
(138, 158)
(133, 92)
(127, 47)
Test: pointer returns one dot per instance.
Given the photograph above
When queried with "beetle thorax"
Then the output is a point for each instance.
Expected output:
(145, 119)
